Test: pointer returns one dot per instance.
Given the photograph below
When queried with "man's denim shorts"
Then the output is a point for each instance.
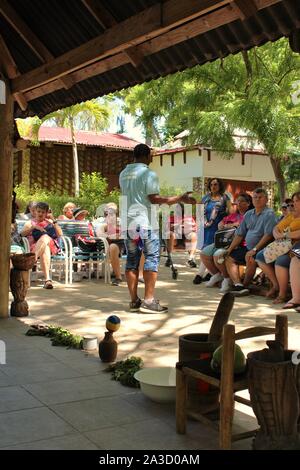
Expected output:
(211, 250)
(149, 245)
(238, 254)
(283, 261)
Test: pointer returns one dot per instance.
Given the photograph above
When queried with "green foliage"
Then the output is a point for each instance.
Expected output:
(62, 337)
(93, 185)
(123, 371)
(55, 199)
(113, 196)
(59, 336)
(171, 190)
(93, 192)
(292, 168)
(91, 115)
(249, 92)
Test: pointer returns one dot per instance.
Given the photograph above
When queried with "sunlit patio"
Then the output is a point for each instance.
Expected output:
(56, 398)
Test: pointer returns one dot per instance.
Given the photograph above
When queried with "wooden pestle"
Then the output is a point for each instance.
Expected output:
(221, 317)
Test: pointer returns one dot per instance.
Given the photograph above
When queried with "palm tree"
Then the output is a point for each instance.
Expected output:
(90, 115)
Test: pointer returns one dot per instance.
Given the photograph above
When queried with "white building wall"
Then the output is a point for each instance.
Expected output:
(256, 168)
(181, 174)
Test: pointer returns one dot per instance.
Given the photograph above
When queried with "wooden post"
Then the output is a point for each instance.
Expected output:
(6, 176)
(226, 394)
(26, 167)
(282, 330)
(181, 401)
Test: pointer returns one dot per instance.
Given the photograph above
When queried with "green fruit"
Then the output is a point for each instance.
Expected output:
(239, 359)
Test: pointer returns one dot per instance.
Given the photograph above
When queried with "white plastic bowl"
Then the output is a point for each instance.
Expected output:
(158, 383)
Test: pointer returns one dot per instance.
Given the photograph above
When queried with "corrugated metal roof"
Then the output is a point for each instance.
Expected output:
(97, 139)
(62, 26)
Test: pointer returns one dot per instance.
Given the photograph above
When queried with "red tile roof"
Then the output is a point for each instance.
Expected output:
(98, 139)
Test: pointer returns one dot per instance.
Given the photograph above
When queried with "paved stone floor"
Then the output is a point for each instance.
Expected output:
(55, 398)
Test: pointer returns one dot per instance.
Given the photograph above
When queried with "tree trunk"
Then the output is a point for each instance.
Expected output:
(75, 158)
(276, 165)
(156, 134)
(6, 178)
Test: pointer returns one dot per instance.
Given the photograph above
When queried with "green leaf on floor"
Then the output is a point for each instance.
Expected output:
(59, 336)
(123, 371)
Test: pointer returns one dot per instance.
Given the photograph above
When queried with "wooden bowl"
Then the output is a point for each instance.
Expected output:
(23, 262)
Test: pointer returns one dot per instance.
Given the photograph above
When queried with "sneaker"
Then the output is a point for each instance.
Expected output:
(168, 262)
(239, 290)
(134, 306)
(191, 263)
(197, 279)
(226, 285)
(154, 307)
(48, 284)
(116, 281)
(215, 278)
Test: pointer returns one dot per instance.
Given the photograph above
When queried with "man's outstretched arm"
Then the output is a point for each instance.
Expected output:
(158, 199)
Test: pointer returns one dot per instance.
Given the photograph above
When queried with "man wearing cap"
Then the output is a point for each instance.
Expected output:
(140, 189)
(79, 213)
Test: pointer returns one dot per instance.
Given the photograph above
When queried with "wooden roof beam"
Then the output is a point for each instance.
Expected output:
(139, 28)
(194, 28)
(107, 20)
(11, 71)
(100, 13)
(28, 36)
(246, 8)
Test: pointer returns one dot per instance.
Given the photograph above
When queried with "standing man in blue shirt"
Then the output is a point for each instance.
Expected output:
(140, 189)
(257, 230)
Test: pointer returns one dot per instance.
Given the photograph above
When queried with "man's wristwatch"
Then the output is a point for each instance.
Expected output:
(254, 249)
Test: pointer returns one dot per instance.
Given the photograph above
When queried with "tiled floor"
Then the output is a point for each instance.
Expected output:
(64, 400)
(55, 398)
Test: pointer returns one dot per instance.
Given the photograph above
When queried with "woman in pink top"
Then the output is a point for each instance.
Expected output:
(212, 257)
(43, 236)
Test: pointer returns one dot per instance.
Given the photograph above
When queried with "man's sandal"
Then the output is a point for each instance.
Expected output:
(290, 305)
(48, 284)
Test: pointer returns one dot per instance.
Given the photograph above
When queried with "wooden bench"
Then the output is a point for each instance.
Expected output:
(71, 230)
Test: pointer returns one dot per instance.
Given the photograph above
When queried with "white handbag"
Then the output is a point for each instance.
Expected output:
(276, 248)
